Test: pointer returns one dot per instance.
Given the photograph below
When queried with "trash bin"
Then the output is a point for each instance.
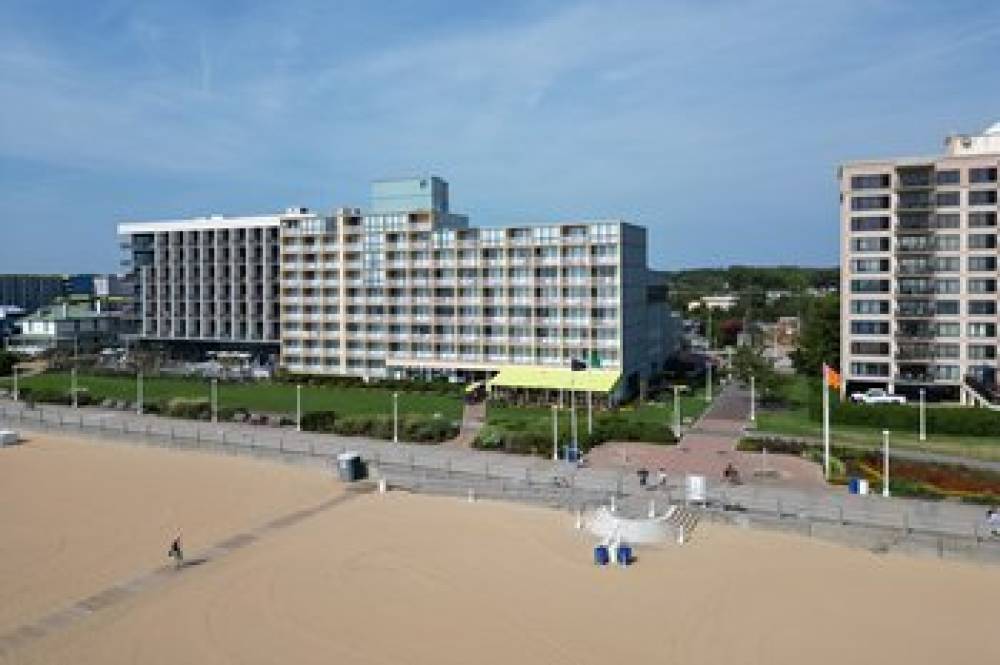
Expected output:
(601, 556)
(624, 555)
(571, 453)
(853, 485)
(350, 467)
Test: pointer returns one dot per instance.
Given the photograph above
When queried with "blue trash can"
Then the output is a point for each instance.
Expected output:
(853, 486)
(601, 556)
(623, 555)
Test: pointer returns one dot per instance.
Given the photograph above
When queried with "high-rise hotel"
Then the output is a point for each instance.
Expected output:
(406, 289)
(919, 268)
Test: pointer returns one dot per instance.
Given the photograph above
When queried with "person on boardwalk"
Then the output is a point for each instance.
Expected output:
(176, 552)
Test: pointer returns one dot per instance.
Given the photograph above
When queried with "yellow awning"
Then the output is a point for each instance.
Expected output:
(556, 378)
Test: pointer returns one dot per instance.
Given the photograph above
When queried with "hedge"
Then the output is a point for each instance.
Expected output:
(957, 421)
(416, 428)
(537, 439)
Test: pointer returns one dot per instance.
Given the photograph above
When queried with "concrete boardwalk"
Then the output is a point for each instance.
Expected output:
(708, 447)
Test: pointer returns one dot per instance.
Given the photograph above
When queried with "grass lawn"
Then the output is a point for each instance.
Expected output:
(540, 418)
(265, 396)
(795, 421)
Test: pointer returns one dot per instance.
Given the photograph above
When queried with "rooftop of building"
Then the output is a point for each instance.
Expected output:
(68, 311)
(957, 146)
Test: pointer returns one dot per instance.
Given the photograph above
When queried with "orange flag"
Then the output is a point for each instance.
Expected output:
(831, 377)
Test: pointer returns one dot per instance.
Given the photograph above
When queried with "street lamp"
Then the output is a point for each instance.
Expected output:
(555, 433)
(885, 463)
(753, 400)
(72, 387)
(138, 392)
(923, 414)
(395, 417)
(298, 407)
(708, 380)
(16, 393)
(215, 400)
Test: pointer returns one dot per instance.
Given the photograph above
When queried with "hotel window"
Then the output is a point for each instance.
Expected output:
(982, 352)
(870, 203)
(946, 351)
(982, 263)
(987, 197)
(982, 241)
(982, 175)
(947, 243)
(870, 223)
(948, 177)
(870, 348)
(982, 330)
(946, 307)
(876, 181)
(946, 264)
(869, 286)
(870, 265)
(947, 329)
(869, 327)
(982, 307)
(982, 286)
(869, 307)
(870, 369)
(870, 244)
(947, 220)
(949, 199)
(947, 286)
(982, 219)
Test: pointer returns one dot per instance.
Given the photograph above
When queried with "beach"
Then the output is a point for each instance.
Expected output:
(401, 578)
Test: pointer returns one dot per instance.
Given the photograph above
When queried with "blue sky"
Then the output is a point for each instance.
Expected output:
(719, 125)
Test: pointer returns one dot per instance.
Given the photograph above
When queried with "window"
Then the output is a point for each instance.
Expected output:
(982, 330)
(869, 307)
(869, 203)
(870, 223)
(982, 219)
(869, 327)
(870, 369)
(945, 372)
(948, 199)
(982, 307)
(870, 348)
(870, 244)
(876, 181)
(946, 264)
(947, 243)
(947, 220)
(946, 307)
(982, 263)
(946, 351)
(949, 177)
(870, 265)
(983, 175)
(982, 241)
(947, 286)
(982, 352)
(869, 286)
(986, 197)
(982, 286)
(947, 329)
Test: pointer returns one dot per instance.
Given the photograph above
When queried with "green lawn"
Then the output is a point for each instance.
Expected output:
(272, 397)
(795, 421)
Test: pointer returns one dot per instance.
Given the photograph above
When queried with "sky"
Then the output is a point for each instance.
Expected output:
(718, 125)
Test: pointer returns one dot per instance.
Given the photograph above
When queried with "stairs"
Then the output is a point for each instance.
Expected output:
(973, 397)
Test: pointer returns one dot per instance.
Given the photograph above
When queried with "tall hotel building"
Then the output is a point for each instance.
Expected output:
(407, 289)
(919, 269)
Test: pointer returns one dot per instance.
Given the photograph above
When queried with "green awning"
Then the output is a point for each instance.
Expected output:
(556, 378)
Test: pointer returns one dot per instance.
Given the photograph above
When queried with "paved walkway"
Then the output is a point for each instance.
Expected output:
(473, 419)
(709, 446)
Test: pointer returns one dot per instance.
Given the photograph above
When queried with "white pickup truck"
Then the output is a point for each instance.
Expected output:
(877, 396)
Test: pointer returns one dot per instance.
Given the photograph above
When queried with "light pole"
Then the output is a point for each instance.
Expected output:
(215, 400)
(708, 381)
(590, 413)
(16, 393)
(923, 414)
(572, 405)
(138, 392)
(555, 433)
(72, 386)
(885, 463)
(298, 407)
(753, 400)
(395, 417)
(677, 412)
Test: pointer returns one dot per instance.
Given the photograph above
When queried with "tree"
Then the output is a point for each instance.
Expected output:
(819, 339)
(749, 361)
(7, 361)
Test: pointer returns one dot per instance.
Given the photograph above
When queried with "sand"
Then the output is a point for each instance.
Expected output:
(415, 579)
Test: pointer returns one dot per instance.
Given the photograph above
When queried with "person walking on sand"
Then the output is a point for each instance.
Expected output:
(176, 552)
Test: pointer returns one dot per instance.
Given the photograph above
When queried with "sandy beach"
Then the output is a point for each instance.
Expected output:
(415, 579)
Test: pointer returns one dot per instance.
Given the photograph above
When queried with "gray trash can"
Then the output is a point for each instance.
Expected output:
(350, 467)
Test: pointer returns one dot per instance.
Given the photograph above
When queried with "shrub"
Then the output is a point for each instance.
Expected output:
(319, 421)
(193, 409)
(45, 396)
(957, 421)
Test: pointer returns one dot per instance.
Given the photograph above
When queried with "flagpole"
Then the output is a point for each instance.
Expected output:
(826, 425)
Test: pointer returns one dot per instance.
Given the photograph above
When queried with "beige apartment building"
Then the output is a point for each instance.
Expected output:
(919, 269)
(406, 289)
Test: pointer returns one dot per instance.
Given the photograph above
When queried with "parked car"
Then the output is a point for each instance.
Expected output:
(877, 396)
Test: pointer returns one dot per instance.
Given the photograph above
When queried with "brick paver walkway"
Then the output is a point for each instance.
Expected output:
(708, 447)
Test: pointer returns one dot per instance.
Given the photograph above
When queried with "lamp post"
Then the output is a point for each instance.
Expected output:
(923, 414)
(753, 400)
(885, 463)
(215, 400)
(708, 381)
(677, 412)
(590, 413)
(138, 392)
(395, 417)
(16, 393)
(555, 433)
(72, 386)
(572, 407)
(298, 407)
